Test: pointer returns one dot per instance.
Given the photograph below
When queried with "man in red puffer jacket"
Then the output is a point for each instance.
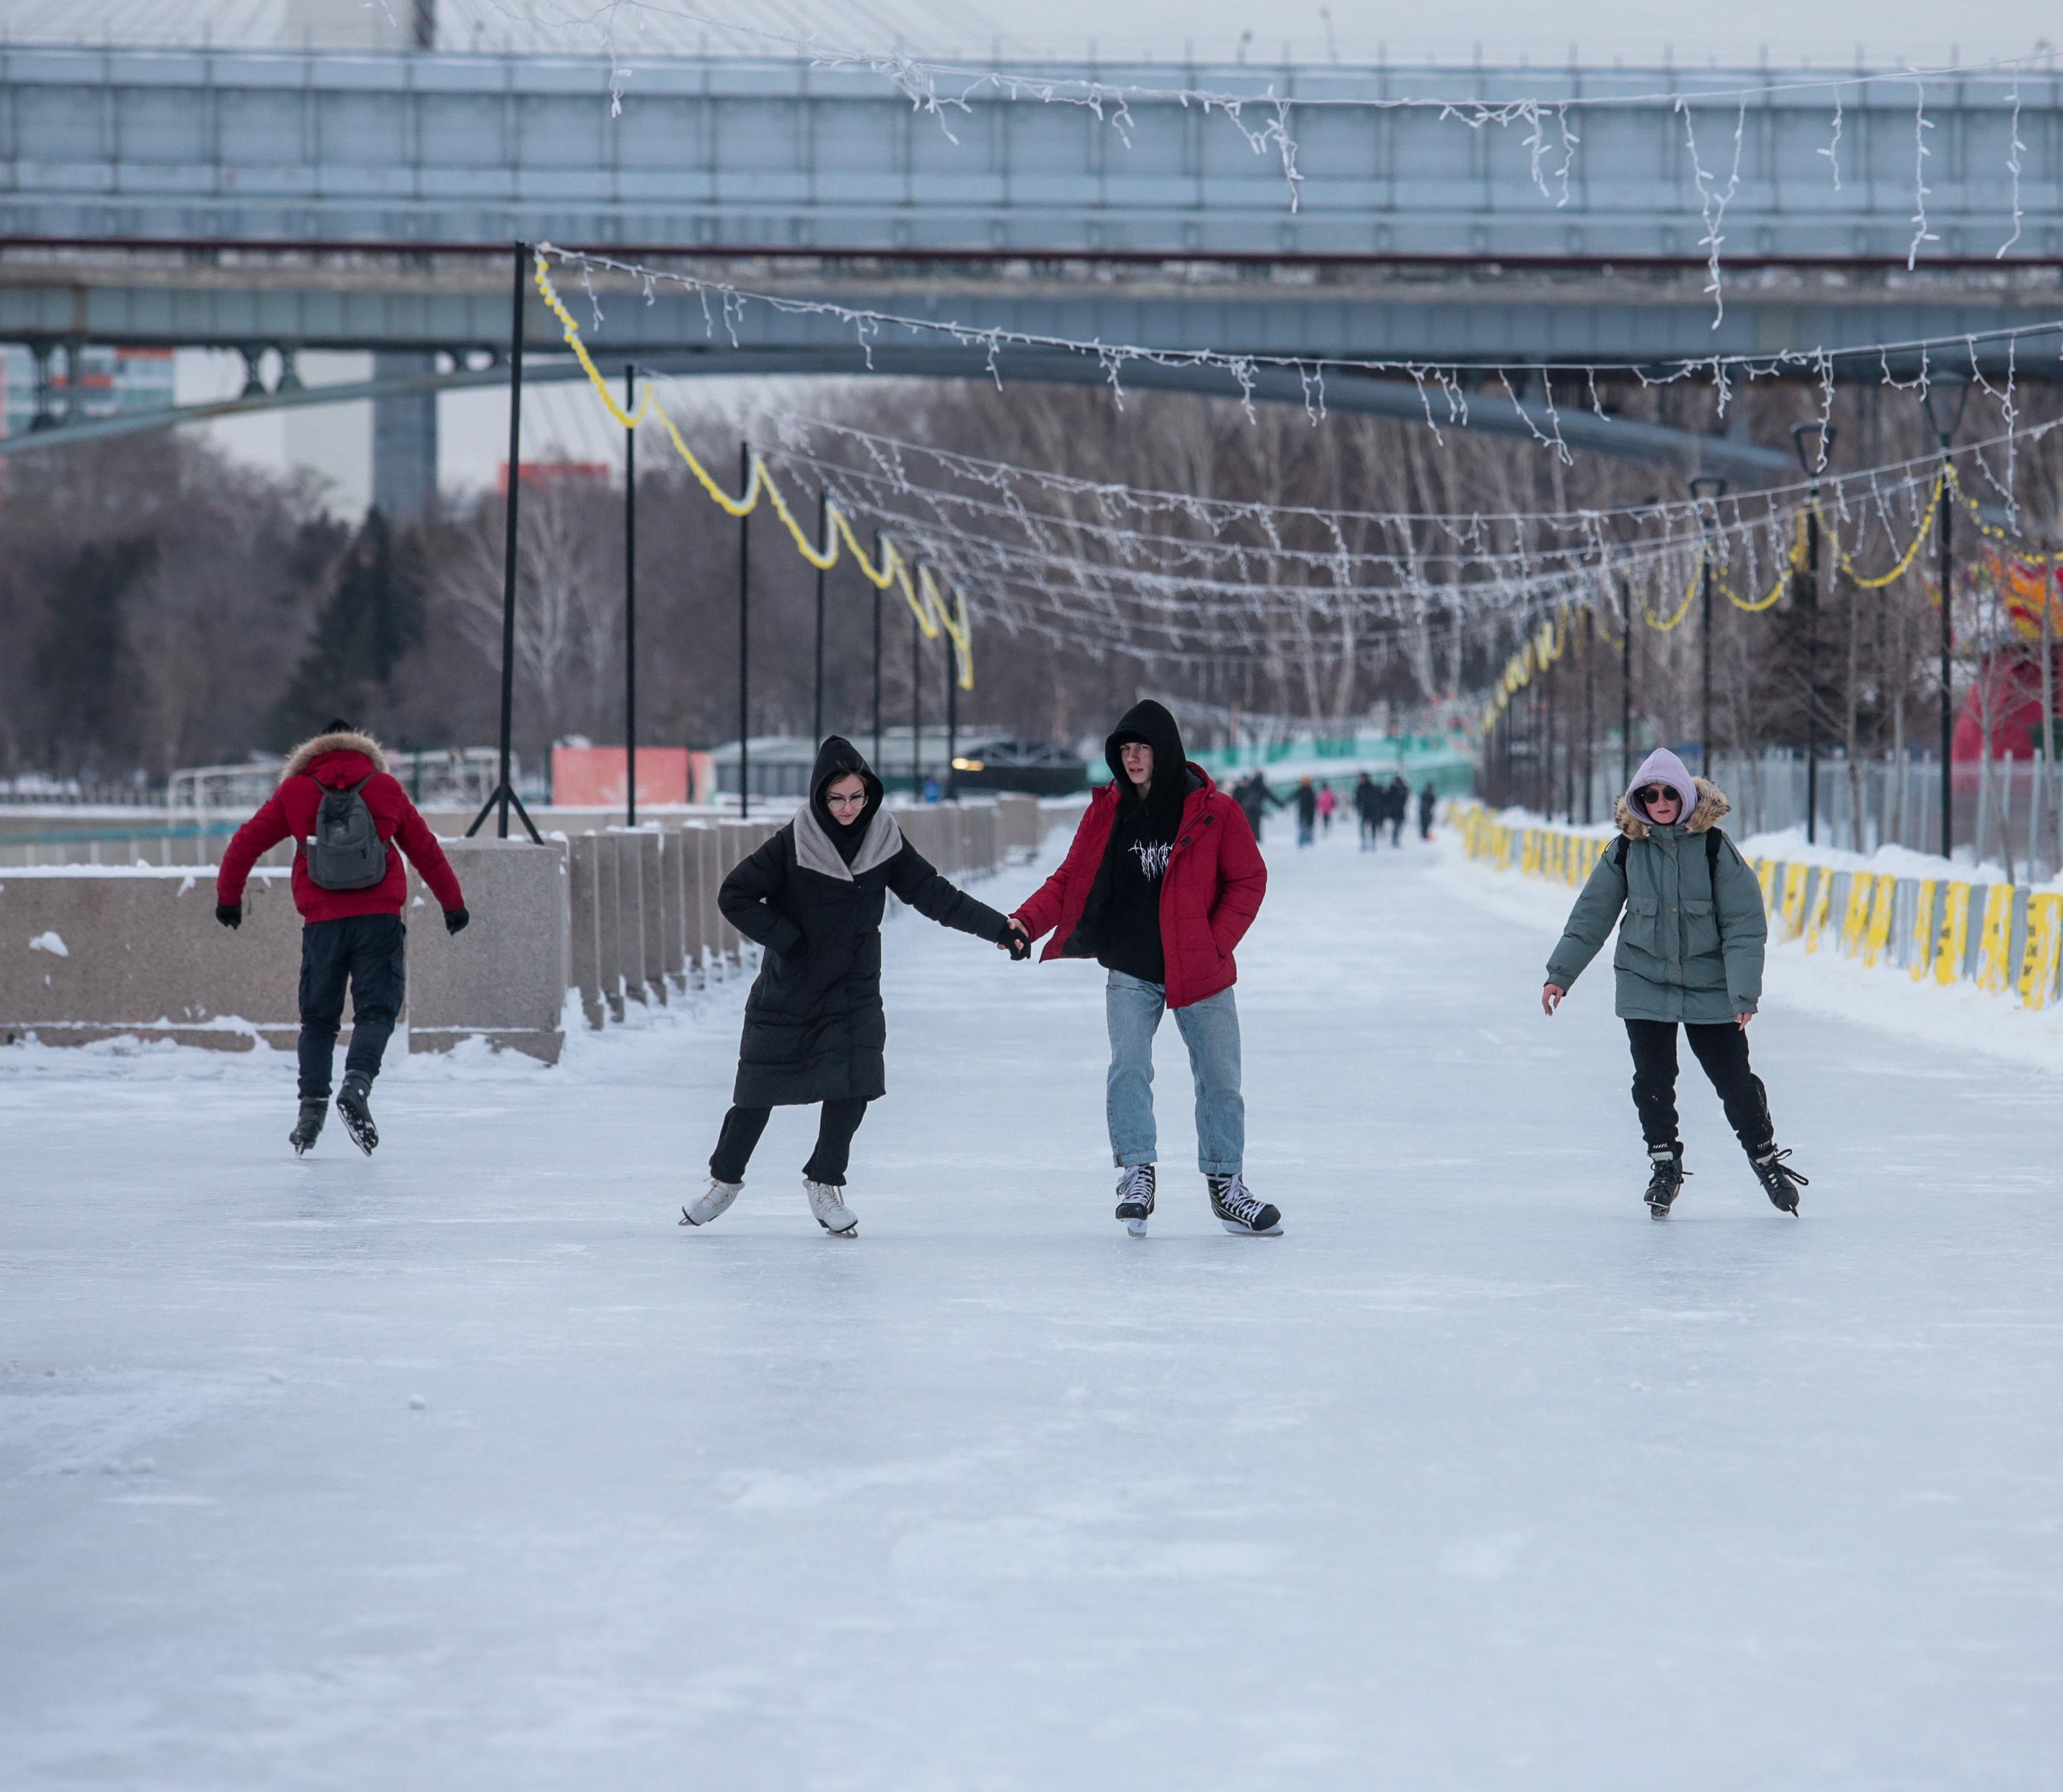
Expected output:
(1162, 882)
(350, 935)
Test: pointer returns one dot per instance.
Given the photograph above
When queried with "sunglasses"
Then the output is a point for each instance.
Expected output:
(1653, 793)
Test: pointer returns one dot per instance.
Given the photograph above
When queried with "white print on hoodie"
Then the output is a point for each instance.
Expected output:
(1152, 858)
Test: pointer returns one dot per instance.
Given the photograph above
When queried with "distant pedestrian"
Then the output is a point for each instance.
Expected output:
(1399, 807)
(1307, 811)
(1327, 803)
(1691, 947)
(1428, 800)
(1369, 803)
(1255, 799)
(812, 895)
(344, 811)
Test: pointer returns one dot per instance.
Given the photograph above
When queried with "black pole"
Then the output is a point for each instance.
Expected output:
(952, 722)
(504, 788)
(1590, 719)
(630, 605)
(816, 709)
(1812, 667)
(878, 563)
(917, 698)
(744, 635)
(1948, 571)
(1625, 685)
(1706, 488)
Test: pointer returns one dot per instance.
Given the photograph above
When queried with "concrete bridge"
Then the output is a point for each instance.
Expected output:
(261, 200)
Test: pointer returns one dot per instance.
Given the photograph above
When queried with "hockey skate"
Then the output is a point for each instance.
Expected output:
(352, 1103)
(1135, 1198)
(1667, 1183)
(308, 1129)
(827, 1202)
(1240, 1211)
(1779, 1182)
(714, 1200)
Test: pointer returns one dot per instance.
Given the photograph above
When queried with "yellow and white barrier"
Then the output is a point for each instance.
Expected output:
(2002, 936)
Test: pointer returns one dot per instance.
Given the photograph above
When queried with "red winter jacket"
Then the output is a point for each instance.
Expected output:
(335, 762)
(1209, 893)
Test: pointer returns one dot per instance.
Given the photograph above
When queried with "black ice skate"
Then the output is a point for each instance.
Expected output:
(352, 1104)
(1135, 1198)
(308, 1129)
(1666, 1183)
(1779, 1182)
(1240, 1211)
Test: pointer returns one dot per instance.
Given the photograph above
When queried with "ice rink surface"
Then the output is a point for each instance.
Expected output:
(465, 1467)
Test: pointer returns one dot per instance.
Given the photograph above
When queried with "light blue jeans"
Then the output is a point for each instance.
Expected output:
(1210, 1029)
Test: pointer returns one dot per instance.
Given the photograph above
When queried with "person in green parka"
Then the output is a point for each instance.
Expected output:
(1690, 951)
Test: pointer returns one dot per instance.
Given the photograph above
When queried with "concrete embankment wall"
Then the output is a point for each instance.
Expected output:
(622, 919)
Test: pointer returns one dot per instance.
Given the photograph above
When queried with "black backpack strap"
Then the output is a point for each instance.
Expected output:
(1619, 854)
(1713, 838)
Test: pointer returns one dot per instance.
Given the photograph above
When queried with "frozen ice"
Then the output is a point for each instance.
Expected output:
(1476, 1478)
(51, 941)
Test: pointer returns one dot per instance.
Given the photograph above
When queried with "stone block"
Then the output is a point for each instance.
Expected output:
(609, 922)
(674, 890)
(93, 954)
(630, 908)
(583, 886)
(504, 978)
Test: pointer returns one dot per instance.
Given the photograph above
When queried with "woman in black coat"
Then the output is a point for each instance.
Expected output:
(812, 895)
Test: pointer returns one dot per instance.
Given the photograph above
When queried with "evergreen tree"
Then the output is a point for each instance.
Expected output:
(369, 624)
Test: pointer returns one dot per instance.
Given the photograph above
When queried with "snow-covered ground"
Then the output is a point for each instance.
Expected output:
(464, 1466)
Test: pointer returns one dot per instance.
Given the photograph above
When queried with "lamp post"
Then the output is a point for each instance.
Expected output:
(1946, 414)
(744, 636)
(877, 657)
(817, 706)
(1626, 682)
(630, 604)
(1706, 489)
(1821, 435)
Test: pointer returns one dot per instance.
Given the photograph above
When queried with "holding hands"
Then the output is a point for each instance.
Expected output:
(1015, 941)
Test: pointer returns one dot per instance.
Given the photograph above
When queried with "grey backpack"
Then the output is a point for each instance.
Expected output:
(345, 852)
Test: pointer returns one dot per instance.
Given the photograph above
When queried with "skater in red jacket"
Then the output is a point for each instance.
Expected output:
(1162, 882)
(342, 810)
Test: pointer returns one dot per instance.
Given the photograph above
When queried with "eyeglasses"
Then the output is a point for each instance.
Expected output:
(1652, 793)
(857, 800)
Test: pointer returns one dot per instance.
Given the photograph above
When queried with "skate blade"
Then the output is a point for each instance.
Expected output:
(843, 1231)
(688, 1220)
(1136, 1227)
(1238, 1230)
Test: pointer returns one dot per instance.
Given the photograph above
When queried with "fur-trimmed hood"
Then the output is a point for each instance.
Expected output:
(308, 752)
(1712, 805)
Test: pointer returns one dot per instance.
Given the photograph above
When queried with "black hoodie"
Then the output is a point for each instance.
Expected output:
(1120, 924)
(835, 757)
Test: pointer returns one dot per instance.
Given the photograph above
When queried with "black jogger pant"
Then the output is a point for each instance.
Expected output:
(365, 950)
(1722, 1051)
(742, 1126)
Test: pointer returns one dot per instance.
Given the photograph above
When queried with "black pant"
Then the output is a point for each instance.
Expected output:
(367, 951)
(742, 1126)
(1722, 1051)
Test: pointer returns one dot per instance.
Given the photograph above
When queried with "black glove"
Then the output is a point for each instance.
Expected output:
(455, 920)
(229, 914)
(1020, 947)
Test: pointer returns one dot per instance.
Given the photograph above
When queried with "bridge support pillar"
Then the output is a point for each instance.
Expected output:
(405, 439)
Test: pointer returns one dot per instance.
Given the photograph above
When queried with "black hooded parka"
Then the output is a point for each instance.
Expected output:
(813, 895)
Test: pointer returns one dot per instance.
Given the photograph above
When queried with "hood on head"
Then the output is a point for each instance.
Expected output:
(303, 758)
(1663, 767)
(1704, 804)
(1149, 721)
(836, 758)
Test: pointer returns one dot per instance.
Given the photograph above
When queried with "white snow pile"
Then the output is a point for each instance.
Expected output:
(52, 942)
